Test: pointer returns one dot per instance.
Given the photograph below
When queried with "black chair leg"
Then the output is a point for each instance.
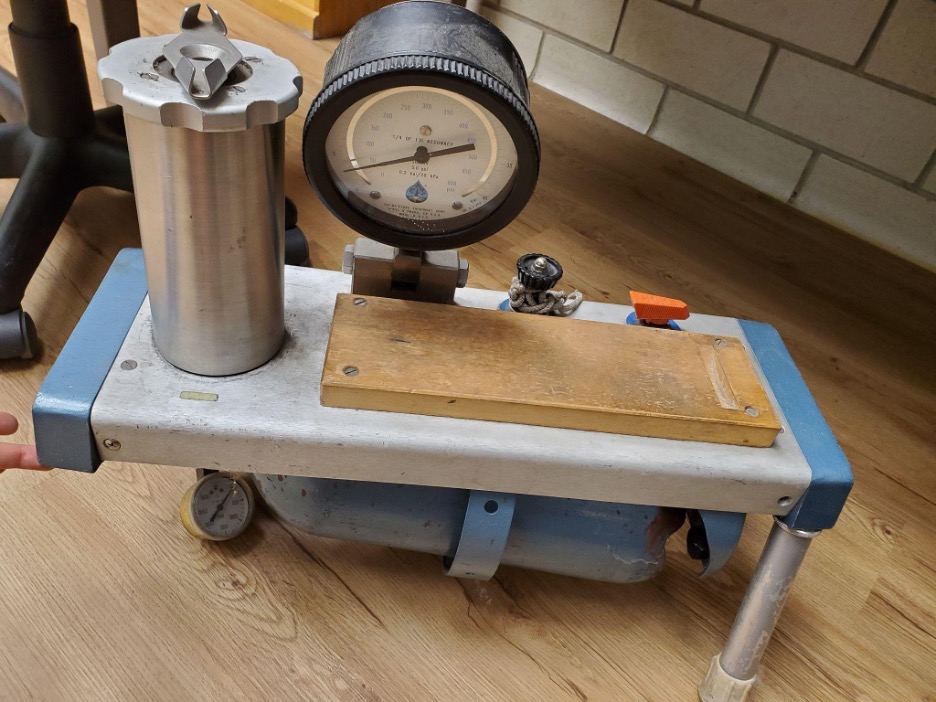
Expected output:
(55, 144)
(11, 99)
(40, 201)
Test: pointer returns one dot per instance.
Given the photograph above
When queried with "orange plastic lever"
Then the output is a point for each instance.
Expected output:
(654, 309)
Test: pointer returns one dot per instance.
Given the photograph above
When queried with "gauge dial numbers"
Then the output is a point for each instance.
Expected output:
(218, 507)
(418, 160)
(422, 137)
(421, 154)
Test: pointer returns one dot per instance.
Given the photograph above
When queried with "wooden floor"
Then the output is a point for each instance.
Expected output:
(103, 596)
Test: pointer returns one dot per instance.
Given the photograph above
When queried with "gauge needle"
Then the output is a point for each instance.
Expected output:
(422, 155)
(221, 506)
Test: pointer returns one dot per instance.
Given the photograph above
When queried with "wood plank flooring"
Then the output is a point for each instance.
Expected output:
(104, 596)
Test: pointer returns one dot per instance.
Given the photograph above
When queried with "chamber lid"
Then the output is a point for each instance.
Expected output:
(262, 88)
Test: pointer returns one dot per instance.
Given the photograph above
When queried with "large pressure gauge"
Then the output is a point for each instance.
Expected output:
(422, 136)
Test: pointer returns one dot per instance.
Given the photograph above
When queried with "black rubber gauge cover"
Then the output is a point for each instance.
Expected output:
(425, 44)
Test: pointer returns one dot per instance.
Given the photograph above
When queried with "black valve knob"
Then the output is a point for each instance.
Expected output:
(538, 271)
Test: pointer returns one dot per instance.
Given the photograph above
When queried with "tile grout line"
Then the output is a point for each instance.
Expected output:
(789, 136)
(802, 51)
(536, 59)
(620, 23)
(875, 35)
(807, 171)
(927, 170)
(659, 109)
(762, 81)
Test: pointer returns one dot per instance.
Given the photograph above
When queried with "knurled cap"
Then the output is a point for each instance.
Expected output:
(137, 77)
(538, 271)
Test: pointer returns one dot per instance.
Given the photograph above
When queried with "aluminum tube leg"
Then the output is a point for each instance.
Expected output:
(732, 674)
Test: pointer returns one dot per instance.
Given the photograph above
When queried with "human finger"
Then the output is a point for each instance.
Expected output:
(8, 423)
(19, 456)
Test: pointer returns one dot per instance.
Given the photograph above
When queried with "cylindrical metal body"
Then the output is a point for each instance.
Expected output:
(208, 178)
(596, 540)
(212, 223)
(766, 595)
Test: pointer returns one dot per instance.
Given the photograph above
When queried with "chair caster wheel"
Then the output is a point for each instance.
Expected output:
(297, 248)
(18, 337)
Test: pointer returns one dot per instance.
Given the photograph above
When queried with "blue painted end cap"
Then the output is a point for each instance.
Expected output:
(832, 479)
(62, 410)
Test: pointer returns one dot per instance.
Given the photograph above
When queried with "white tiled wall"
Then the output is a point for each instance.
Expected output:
(693, 52)
(745, 151)
(829, 105)
(845, 113)
(906, 52)
(899, 220)
(594, 27)
(607, 87)
(839, 29)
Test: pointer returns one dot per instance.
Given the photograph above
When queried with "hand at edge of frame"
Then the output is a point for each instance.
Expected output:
(16, 455)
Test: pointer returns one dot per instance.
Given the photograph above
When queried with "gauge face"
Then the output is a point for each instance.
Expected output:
(421, 159)
(421, 137)
(219, 507)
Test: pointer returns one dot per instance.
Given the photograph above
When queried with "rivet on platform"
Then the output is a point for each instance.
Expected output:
(112, 444)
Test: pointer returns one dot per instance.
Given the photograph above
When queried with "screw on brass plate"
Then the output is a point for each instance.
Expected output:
(751, 411)
(360, 301)
(720, 342)
(350, 370)
(128, 365)
(112, 444)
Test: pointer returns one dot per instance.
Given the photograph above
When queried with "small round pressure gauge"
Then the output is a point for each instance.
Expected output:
(422, 137)
(218, 507)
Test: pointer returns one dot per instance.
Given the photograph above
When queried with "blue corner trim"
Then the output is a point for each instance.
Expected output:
(62, 410)
(824, 499)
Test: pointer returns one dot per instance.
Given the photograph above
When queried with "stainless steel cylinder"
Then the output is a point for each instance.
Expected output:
(205, 127)
(211, 210)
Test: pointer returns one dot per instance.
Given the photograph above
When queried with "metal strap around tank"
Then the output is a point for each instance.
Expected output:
(483, 536)
(722, 533)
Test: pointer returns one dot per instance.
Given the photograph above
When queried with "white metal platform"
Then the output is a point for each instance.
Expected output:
(270, 420)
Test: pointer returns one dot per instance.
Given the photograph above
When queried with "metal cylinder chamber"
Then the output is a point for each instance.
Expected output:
(207, 155)
(211, 209)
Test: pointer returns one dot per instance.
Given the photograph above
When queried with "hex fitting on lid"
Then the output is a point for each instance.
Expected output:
(262, 88)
